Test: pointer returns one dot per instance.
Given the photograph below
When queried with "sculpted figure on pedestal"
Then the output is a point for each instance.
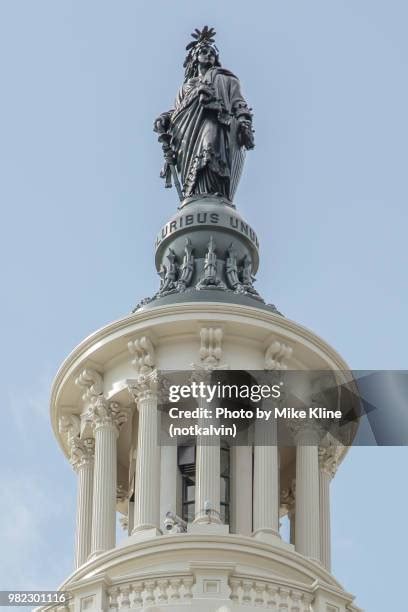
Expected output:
(205, 136)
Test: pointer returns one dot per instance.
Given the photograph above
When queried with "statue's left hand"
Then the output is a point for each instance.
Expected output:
(245, 134)
(162, 123)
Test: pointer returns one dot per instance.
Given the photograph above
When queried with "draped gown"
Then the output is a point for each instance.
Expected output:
(203, 132)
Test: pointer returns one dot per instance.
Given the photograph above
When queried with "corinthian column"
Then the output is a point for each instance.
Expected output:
(208, 458)
(266, 454)
(82, 459)
(107, 417)
(307, 536)
(147, 474)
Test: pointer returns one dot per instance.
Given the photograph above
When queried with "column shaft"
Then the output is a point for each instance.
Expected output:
(168, 480)
(208, 474)
(266, 479)
(104, 492)
(84, 512)
(241, 490)
(207, 481)
(325, 544)
(147, 479)
(292, 526)
(307, 501)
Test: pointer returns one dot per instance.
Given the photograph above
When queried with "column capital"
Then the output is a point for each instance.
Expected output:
(200, 374)
(82, 452)
(305, 431)
(329, 457)
(104, 413)
(70, 425)
(146, 386)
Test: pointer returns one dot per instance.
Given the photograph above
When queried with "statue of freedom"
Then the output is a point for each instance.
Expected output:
(205, 136)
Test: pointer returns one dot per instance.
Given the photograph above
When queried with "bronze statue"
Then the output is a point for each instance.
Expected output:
(205, 136)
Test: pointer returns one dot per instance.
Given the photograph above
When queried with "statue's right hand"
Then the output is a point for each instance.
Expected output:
(206, 93)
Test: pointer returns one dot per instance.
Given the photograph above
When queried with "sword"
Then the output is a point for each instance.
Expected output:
(169, 169)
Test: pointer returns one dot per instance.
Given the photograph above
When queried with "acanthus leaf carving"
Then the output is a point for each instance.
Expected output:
(306, 431)
(144, 387)
(329, 457)
(104, 413)
(82, 452)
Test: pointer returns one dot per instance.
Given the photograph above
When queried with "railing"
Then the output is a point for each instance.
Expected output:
(267, 594)
(178, 589)
(166, 590)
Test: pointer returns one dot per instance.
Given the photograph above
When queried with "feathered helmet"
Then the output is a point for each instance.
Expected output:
(202, 38)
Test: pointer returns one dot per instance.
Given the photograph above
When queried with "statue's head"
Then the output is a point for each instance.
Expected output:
(201, 51)
(207, 55)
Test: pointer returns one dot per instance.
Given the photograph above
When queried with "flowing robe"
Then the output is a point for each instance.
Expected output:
(203, 128)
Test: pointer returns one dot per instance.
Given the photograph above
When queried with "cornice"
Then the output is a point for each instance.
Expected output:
(150, 316)
(140, 320)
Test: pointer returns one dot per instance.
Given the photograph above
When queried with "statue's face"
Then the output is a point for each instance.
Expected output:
(206, 56)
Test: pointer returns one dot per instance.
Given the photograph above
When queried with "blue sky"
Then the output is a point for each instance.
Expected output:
(81, 200)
